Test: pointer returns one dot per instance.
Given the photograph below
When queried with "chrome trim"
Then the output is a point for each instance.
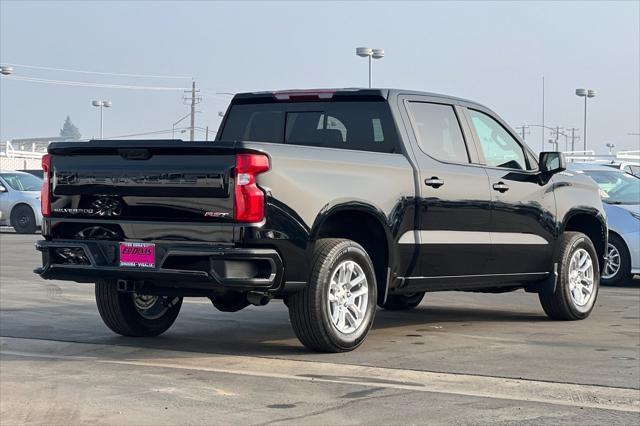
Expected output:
(470, 237)
(477, 275)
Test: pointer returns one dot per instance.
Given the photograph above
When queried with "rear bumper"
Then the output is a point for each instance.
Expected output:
(188, 266)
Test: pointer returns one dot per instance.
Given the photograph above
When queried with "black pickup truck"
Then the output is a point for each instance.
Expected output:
(335, 201)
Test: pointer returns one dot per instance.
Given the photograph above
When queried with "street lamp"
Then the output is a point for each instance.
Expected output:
(101, 104)
(6, 70)
(610, 146)
(585, 93)
(367, 52)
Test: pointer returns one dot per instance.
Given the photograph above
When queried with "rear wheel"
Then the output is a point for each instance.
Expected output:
(23, 219)
(578, 279)
(403, 302)
(335, 311)
(618, 269)
(136, 315)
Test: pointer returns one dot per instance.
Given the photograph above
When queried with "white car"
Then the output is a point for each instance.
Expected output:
(20, 201)
(625, 166)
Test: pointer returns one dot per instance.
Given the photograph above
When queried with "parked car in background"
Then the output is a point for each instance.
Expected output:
(626, 167)
(20, 201)
(620, 192)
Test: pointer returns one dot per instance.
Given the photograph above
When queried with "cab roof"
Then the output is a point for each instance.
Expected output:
(355, 93)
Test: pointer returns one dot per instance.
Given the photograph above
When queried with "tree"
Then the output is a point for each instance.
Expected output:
(69, 130)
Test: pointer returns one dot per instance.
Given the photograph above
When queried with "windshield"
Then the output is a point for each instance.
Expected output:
(22, 182)
(616, 187)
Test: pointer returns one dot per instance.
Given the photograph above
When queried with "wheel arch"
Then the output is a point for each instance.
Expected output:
(593, 225)
(624, 242)
(364, 224)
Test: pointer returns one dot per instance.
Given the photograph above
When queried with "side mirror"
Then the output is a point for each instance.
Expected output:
(552, 162)
(2, 188)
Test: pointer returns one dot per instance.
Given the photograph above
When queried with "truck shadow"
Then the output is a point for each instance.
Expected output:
(252, 332)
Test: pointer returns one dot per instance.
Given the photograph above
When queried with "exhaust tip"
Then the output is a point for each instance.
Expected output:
(257, 299)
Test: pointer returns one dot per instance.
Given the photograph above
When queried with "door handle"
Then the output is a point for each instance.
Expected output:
(501, 187)
(434, 182)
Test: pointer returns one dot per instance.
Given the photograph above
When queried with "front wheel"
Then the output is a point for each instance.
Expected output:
(136, 315)
(578, 279)
(618, 266)
(335, 311)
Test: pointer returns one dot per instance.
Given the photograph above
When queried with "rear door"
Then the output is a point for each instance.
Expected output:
(523, 204)
(453, 194)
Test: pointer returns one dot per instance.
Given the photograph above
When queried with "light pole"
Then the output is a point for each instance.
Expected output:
(101, 104)
(610, 146)
(585, 93)
(367, 52)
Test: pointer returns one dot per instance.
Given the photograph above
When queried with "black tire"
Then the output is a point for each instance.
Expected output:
(120, 314)
(309, 309)
(560, 304)
(623, 275)
(403, 302)
(23, 219)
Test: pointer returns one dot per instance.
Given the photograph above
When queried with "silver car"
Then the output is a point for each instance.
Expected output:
(620, 193)
(20, 201)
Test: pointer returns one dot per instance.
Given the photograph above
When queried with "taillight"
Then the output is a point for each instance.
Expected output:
(249, 201)
(45, 191)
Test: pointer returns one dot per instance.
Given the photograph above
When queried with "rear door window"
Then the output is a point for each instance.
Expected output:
(438, 132)
(362, 126)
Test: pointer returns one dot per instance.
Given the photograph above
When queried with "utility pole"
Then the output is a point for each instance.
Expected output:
(574, 138)
(542, 113)
(207, 134)
(556, 132)
(523, 130)
(193, 100)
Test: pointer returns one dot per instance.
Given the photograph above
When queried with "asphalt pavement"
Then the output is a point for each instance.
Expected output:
(458, 358)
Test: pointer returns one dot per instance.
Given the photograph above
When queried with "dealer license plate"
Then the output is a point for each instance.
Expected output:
(138, 255)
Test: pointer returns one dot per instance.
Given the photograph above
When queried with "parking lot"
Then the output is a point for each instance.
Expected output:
(459, 357)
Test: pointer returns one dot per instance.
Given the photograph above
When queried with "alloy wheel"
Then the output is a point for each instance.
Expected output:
(348, 297)
(613, 264)
(581, 278)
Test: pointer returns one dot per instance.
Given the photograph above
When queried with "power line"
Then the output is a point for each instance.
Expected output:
(99, 72)
(159, 132)
(90, 84)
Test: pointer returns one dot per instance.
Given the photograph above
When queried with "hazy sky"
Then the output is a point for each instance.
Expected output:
(492, 52)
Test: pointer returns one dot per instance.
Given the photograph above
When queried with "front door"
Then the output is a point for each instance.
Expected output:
(453, 196)
(523, 204)
(4, 202)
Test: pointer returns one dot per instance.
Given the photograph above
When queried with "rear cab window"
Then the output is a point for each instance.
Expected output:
(354, 125)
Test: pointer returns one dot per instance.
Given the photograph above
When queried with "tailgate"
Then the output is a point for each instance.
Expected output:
(143, 180)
